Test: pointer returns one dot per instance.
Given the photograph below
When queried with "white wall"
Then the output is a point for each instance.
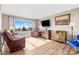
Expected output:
(74, 17)
(0, 19)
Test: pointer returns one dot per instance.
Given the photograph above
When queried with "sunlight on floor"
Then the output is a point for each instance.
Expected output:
(32, 43)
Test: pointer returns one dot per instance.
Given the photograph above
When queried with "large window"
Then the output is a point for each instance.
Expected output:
(23, 25)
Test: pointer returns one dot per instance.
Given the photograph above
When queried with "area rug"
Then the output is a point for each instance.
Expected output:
(32, 43)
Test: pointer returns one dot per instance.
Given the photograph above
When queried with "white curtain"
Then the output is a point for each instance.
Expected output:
(11, 22)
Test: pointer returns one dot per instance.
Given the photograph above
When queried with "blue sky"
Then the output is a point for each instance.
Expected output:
(23, 23)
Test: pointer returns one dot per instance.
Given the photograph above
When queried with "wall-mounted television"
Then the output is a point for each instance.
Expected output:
(46, 23)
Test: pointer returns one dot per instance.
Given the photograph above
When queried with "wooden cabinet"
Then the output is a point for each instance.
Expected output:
(62, 36)
(46, 34)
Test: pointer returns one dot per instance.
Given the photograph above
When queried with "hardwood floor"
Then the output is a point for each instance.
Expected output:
(40, 46)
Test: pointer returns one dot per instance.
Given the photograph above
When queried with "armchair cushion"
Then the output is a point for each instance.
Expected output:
(17, 38)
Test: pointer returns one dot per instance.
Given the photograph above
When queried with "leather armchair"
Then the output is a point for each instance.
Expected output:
(35, 33)
(14, 43)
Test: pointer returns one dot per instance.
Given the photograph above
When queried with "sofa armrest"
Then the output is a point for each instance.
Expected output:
(20, 42)
(18, 39)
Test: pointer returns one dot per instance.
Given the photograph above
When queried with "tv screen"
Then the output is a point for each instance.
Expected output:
(46, 23)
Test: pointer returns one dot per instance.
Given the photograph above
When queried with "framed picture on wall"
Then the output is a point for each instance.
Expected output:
(62, 19)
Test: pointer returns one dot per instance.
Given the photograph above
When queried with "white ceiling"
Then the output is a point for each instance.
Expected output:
(36, 11)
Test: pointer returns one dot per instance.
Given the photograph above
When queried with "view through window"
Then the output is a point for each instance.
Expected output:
(23, 25)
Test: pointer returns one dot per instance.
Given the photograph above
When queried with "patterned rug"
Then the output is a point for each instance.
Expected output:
(33, 43)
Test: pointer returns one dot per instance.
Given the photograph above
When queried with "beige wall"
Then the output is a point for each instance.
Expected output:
(5, 22)
(0, 21)
(74, 17)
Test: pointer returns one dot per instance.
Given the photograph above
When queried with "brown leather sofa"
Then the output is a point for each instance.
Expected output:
(14, 43)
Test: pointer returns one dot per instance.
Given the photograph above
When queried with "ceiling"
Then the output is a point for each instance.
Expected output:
(36, 11)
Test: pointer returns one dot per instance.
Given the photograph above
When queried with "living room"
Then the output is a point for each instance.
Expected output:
(40, 33)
